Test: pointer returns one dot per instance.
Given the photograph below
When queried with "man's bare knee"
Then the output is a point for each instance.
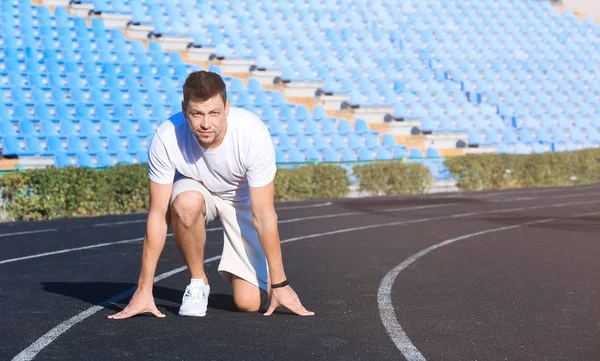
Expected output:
(246, 296)
(188, 207)
(247, 303)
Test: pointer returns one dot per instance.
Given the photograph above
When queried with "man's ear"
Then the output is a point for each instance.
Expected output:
(184, 109)
(227, 106)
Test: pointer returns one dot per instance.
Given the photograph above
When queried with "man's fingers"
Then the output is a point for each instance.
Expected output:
(121, 315)
(300, 310)
(272, 308)
(127, 312)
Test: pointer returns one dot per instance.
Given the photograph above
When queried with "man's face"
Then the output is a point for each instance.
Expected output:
(207, 120)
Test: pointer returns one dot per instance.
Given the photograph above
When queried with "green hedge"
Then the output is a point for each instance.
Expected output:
(503, 171)
(51, 193)
(394, 177)
(311, 181)
(74, 191)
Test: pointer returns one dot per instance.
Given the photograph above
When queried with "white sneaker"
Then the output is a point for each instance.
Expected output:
(195, 300)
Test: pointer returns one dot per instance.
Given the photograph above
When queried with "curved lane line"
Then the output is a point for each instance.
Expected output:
(384, 294)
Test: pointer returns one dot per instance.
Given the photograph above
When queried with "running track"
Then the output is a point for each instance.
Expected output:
(511, 275)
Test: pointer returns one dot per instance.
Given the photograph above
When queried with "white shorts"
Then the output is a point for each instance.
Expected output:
(242, 254)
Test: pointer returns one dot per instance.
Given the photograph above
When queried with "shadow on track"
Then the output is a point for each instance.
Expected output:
(96, 293)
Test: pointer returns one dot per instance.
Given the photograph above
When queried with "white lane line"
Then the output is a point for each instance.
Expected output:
(384, 294)
(214, 229)
(31, 351)
(548, 197)
(70, 250)
(28, 232)
(513, 199)
(119, 223)
(67, 250)
(535, 191)
(316, 205)
(367, 211)
(277, 208)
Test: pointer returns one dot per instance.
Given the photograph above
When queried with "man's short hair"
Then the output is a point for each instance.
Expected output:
(203, 85)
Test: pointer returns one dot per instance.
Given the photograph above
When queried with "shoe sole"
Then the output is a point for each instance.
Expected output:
(191, 314)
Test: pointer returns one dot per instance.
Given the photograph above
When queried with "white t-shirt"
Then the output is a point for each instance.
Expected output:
(246, 157)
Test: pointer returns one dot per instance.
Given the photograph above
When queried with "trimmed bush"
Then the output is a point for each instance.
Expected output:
(393, 177)
(311, 181)
(51, 193)
(503, 171)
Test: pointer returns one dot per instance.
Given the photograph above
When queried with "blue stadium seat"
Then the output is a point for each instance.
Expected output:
(328, 126)
(84, 160)
(431, 153)
(312, 154)
(364, 154)
(33, 145)
(383, 154)
(280, 155)
(105, 160)
(303, 142)
(371, 141)
(320, 142)
(344, 127)
(337, 141)
(75, 145)
(67, 128)
(276, 127)
(27, 127)
(294, 127)
(331, 155)
(115, 145)
(415, 153)
(355, 142)
(285, 142)
(127, 127)
(146, 128)
(134, 144)
(348, 155)
(62, 160)
(296, 155)
(125, 158)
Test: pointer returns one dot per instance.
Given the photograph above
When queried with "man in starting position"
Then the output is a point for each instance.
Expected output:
(212, 161)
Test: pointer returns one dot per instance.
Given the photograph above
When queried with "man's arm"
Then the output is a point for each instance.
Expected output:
(264, 219)
(154, 241)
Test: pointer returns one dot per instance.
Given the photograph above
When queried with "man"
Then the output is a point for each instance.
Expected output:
(212, 161)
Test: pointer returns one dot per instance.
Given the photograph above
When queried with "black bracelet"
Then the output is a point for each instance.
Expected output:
(279, 285)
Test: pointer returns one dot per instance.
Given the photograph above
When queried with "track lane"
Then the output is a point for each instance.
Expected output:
(323, 243)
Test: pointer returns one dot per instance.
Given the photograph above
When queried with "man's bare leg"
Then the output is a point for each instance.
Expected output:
(246, 296)
(189, 230)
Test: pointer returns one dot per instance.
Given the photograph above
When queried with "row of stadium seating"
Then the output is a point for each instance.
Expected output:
(89, 97)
